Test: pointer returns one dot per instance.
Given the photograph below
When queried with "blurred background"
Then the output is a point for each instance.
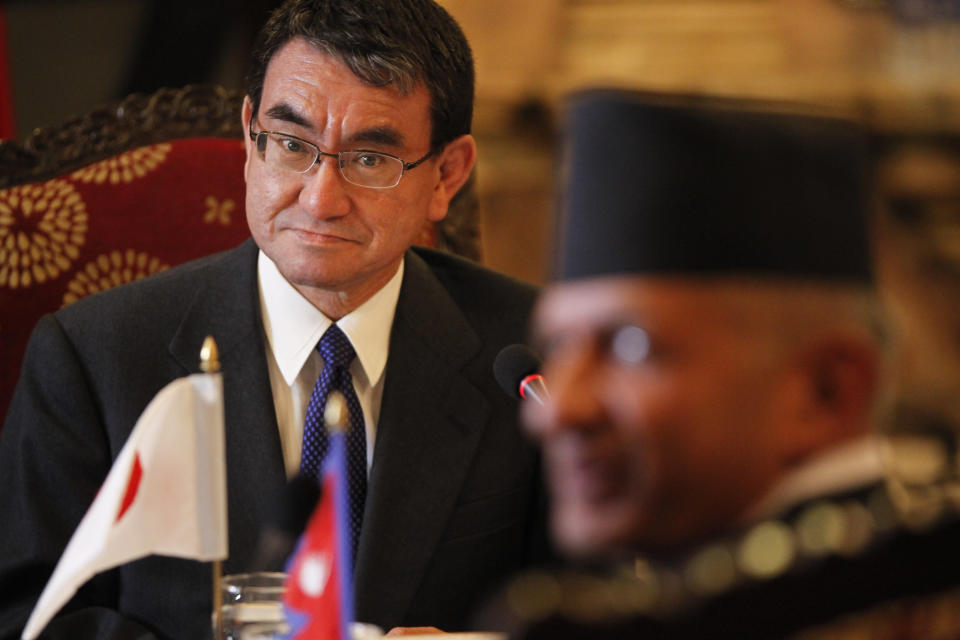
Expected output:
(895, 62)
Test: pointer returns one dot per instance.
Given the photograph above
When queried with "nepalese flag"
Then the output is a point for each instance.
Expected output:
(319, 594)
(165, 494)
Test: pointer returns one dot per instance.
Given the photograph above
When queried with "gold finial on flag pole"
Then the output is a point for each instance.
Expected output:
(209, 356)
(336, 414)
(210, 363)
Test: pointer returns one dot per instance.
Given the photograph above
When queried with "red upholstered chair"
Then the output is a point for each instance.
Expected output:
(126, 191)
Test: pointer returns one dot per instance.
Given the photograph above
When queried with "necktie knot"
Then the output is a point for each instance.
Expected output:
(335, 348)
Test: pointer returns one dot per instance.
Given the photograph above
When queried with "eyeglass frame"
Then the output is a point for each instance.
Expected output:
(405, 166)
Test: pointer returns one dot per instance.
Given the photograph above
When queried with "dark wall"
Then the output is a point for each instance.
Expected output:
(67, 56)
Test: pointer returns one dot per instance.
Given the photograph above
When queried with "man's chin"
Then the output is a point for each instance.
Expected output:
(322, 273)
(586, 534)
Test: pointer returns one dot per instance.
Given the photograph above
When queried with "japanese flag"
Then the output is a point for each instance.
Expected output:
(165, 494)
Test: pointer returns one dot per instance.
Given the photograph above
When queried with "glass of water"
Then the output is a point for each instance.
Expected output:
(252, 607)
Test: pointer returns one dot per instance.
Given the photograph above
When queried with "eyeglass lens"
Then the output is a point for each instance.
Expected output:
(363, 168)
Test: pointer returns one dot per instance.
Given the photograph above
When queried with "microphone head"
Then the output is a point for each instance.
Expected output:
(512, 365)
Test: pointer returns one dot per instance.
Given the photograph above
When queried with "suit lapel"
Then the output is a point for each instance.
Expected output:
(429, 427)
(227, 308)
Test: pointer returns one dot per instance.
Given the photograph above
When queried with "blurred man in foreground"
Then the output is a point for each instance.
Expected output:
(918, 176)
(714, 364)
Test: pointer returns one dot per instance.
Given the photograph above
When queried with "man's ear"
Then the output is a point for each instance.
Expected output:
(246, 114)
(456, 162)
(836, 383)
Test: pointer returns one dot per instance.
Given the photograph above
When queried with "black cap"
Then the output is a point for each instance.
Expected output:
(686, 186)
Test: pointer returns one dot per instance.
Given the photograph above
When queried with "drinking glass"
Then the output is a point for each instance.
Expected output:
(252, 607)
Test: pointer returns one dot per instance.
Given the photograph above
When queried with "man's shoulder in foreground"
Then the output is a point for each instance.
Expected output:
(860, 567)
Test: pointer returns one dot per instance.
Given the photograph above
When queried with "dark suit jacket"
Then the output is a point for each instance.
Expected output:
(454, 500)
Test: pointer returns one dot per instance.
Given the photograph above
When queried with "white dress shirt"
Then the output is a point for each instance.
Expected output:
(293, 327)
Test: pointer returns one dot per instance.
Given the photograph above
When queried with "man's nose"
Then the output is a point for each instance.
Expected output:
(575, 400)
(324, 193)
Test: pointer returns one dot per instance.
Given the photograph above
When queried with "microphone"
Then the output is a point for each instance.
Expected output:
(517, 370)
(286, 520)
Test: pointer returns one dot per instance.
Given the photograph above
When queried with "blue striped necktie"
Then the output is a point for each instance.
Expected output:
(337, 354)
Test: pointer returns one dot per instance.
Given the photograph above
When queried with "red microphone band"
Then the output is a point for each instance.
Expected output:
(530, 380)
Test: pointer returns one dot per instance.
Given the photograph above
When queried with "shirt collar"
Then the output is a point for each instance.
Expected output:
(854, 464)
(294, 326)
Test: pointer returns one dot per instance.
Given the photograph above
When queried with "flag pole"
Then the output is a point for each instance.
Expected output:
(210, 363)
(336, 415)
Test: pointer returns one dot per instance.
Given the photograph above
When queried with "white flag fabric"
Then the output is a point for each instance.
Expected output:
(165, 494)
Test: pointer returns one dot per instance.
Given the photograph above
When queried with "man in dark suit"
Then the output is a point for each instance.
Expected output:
(714, 365)
(358, 117)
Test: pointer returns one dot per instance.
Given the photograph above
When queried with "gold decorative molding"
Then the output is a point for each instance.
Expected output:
(893, 63)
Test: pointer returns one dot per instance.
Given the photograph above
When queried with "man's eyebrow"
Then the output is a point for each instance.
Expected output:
(385, 136)
(286, 113)
(381, 136)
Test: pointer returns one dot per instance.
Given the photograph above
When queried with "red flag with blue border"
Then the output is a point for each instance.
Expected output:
(319, 593)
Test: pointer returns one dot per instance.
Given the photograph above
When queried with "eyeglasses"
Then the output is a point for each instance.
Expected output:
(361, 167)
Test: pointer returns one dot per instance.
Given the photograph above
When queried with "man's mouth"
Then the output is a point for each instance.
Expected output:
(585, 478)
(321, 238)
